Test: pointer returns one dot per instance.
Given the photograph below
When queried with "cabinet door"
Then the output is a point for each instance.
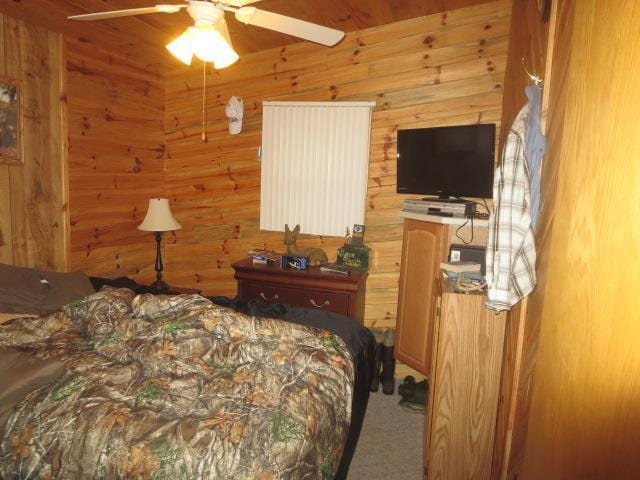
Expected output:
(465, 387)
(428, 421)
(422, 251)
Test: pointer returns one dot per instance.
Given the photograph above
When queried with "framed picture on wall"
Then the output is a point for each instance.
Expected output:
(10, 122)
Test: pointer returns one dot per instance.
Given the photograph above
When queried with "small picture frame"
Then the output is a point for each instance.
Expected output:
(10, 122)
(357, 238)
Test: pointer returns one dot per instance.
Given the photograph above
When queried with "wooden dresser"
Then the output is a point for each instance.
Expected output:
(458, 344)
(425, 244)
(311, 288)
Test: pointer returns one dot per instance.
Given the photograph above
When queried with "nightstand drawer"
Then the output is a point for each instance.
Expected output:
(314, 299)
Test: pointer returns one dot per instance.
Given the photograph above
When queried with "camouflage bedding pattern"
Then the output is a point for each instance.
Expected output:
(177, 388)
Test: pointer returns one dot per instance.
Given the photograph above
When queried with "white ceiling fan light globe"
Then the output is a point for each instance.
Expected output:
(182, 47)
(209, 45)
(227, 55)
(204, 37)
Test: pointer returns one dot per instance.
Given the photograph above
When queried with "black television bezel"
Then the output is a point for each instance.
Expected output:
(441, 193)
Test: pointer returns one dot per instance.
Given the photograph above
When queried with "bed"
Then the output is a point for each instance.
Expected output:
(123, 385)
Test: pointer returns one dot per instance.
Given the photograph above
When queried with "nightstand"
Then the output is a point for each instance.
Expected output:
(311, 288)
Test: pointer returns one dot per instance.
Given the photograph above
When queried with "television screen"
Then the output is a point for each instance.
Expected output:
(447, 161)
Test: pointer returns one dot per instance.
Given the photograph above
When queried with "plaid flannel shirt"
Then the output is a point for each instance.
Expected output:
(511, 254)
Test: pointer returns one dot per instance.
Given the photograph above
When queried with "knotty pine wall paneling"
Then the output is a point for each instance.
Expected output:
(33, 196)
(442, 69)
(116, 160)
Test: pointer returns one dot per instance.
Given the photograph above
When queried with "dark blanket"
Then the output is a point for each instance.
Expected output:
(359, 340)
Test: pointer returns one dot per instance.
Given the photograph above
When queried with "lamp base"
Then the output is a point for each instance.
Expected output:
(159, 286)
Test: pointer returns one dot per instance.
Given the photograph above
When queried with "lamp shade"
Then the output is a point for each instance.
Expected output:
(159, 217)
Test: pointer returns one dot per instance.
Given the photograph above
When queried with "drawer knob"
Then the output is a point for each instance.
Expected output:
(326, 303)
(264, 297)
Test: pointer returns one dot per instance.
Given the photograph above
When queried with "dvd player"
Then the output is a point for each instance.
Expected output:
(461, 208)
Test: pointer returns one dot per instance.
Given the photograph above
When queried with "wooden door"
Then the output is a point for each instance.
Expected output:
(584, 420)
(423, 249)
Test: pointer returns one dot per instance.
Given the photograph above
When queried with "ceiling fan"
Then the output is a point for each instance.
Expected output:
(209, 38)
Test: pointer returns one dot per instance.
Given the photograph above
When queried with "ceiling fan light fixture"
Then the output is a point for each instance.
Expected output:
(209, 39)
(207, 42)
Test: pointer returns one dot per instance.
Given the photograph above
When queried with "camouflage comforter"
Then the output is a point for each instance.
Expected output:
(177, 388)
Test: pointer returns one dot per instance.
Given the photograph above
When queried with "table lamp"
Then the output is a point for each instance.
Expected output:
(159, 219)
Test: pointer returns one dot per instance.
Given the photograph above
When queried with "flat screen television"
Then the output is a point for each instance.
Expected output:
(447, 161)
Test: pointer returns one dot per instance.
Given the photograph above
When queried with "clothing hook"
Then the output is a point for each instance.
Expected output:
(534, 78)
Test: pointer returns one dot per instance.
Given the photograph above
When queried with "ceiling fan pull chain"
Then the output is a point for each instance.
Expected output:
(204, 99)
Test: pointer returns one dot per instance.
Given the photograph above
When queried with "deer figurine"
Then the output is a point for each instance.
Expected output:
(316, 256)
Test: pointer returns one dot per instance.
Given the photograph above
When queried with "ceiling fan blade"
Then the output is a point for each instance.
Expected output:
(291, 26)
(128, 13)
(239, 3)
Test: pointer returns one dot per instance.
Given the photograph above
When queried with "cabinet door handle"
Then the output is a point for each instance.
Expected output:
(264, 297)
(326, 303)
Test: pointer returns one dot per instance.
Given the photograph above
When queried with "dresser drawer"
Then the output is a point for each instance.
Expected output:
(314, 299)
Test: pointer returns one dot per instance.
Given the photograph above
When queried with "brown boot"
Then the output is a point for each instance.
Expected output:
(388, 363)
(375, 380)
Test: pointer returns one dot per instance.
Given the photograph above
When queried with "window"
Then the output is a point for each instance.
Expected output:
(315, 158)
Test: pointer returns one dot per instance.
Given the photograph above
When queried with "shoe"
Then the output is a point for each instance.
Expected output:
(407, 388)
(388, 363)
(420, 393)
(415, 393)
(411, 407)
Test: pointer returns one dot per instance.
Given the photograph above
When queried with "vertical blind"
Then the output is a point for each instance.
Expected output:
(315, 158)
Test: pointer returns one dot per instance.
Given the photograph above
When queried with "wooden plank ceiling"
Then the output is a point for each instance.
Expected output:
(143, 38)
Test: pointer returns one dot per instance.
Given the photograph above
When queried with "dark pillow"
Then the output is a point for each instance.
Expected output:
(120, 282)
(20, 290)
(62, 288)
(27, 290)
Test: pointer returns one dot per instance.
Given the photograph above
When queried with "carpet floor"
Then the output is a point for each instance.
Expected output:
(390, 445)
